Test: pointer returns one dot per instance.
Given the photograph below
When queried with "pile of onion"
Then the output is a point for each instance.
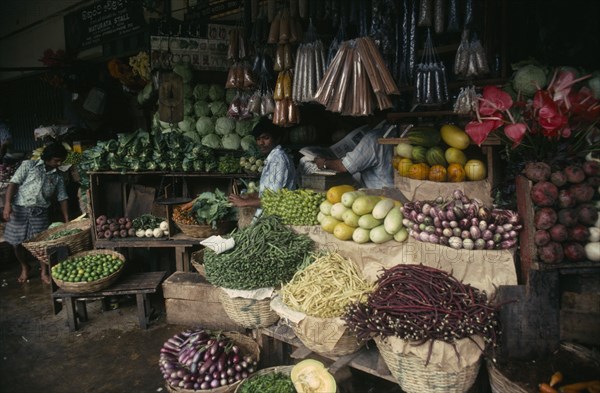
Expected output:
(461, 222)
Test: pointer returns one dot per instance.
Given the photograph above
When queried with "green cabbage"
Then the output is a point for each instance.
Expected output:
(201, 108)
(201, 92)
(224, 125)
(216, 92)
(528, 79)
(248, 142)
(231, 141)
(218, 108)
(244, 127)
(205, 126)
(211, 140)
(185, 71)
(188, 107)
(187, 124)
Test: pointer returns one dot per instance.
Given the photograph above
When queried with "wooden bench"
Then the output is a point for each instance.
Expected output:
(138, 284)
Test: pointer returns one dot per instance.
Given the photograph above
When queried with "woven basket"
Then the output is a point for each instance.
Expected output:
(285, 370)
(249, 313)
(197, 259)
(77, 242)
(248, 347)
(346, 344)
(414, 377)
(203, 231)
(92, 286)
(500, 383)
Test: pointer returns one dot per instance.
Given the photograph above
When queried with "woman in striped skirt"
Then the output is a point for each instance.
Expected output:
(28, 197)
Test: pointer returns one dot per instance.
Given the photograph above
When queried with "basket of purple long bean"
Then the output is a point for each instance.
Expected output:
(429, 327)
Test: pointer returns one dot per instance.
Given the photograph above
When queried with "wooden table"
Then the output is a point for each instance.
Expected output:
(367, 359)
(138, 284)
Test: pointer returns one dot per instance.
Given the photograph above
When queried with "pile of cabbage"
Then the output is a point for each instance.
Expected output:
(147, 151)
(205, 116)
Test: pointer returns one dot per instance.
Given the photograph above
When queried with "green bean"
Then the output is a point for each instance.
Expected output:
(267, 253)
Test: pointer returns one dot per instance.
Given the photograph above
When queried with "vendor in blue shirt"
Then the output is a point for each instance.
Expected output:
(279, 170)
(30, 192)
(370, 160)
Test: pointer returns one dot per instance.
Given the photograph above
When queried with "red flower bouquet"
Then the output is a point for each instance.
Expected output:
(559, 113)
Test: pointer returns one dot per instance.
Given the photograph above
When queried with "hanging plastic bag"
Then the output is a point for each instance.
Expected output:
(254, 102)
(431, 86)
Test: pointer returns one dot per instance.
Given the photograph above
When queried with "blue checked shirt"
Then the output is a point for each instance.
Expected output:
(279, 172)
(372, 160)
(36, 186)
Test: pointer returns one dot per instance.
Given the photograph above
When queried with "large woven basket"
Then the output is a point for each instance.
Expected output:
(77, 242)
(285, 370)
(248, 313)
(197, 259)
(499, 382)
(92, 286)
(203, 231)
(414, 376)
(248, 347)
(346, 344)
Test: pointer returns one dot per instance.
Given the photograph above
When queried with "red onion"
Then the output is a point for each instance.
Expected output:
(475, 221)
(439, 231)
(445, 224)
(450, 215)
(465, 234)
(479, 244)
(433, 238)
(437, 222)
(487, 234)
(492, 227)
(455, 242)
(483, 225)
(513, 234)
(424, 236)
(420, 217)
(490, 245)
(508, 244)
(444, 241)
(464, 223)
(447, 232)
(475, 232)
(453, 224)
(442, 215)
(508, 227)
(426, 208)
(458, 194)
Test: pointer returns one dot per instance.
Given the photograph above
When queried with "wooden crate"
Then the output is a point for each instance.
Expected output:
(191, 300)
(580, 317)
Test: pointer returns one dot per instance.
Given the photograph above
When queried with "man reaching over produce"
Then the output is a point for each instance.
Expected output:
(28, 198)
(279, 171)
(369, 159)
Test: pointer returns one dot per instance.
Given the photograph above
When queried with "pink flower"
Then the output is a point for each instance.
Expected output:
(494, 100)
(479, 131)
(515, 132)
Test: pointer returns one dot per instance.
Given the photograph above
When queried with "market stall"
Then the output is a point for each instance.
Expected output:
(479, 247)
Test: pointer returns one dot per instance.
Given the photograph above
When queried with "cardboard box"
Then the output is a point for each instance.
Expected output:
(191, 300)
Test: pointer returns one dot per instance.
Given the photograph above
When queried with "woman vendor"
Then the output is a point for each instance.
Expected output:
(278, 172)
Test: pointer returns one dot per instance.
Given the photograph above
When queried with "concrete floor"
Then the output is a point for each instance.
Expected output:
(109, 353)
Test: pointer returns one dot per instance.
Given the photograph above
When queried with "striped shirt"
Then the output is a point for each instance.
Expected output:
(372, 160)
(37, 186)
(279, 172)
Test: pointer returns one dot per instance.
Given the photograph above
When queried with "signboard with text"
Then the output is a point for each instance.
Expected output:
(102, 21)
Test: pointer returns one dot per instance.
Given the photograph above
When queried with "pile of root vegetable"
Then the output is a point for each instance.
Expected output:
(419, 303)
(566, 220)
